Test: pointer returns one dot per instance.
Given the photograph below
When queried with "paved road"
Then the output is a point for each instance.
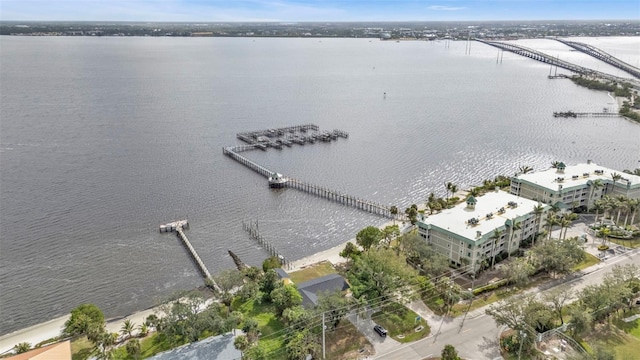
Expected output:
(477, 339)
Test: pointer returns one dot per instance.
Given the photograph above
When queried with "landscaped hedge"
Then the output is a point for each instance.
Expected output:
(490, 287)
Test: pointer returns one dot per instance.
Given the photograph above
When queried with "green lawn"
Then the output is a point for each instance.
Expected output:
(312, 272)
(399, 320)
(590, 260)
(271, 338)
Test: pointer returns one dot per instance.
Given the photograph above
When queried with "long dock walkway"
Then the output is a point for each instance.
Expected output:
(571, 114)
(178, 227)
(231, 151)
(255, 140)
(342, 198)
(603, 56)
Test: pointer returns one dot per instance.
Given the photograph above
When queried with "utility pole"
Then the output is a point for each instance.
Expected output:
(323, 343)
(473, 280)
(445, 315)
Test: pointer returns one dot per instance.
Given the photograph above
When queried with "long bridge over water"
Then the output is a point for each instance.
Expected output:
(603, 56)
(253, 140)
(555, 61)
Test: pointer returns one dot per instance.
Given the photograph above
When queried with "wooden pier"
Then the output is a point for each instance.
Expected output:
(178, 227)
(262, 139)
(252, 229)
(231, 152)
(342, 198)
(571, 114)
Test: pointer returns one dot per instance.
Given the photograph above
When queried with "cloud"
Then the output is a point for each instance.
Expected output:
(446, 8)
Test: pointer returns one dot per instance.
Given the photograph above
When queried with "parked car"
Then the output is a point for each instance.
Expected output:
(380, 330)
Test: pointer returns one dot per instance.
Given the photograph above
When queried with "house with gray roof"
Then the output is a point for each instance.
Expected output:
(310, 290)
(212, 348)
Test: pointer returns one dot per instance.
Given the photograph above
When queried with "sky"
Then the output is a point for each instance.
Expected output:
(316, 10)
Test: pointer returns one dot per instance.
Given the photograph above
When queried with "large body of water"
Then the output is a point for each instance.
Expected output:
(103, 139)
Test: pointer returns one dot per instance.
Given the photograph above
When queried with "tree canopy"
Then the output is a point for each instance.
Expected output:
(368, 237)
(83, 318)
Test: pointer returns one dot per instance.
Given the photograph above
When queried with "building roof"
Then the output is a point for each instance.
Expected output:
(213, 348)
(456, 219)
(577, 175)
(281, 273)
(59, 351)
(328, 283)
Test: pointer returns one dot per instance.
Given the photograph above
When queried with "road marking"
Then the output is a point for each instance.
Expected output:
(466, 330)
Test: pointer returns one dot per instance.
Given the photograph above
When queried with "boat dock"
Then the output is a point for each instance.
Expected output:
(178, 227)
(264, 139)
(571, 114)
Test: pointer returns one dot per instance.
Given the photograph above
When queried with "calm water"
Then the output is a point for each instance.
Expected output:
(103, 139)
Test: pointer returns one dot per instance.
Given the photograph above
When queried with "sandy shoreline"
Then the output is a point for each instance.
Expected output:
(53, 328)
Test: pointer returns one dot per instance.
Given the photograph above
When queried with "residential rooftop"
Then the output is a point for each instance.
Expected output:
(576, 175)
(491, 211)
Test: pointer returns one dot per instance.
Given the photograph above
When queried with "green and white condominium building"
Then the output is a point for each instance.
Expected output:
(576, 186)
(469, 233)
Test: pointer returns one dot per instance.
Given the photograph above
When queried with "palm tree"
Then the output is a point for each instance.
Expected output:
(144, 329)
(514, 226)
(634, 204)
(497, 235)
(609, 206)
(554, 164)
(475, 192)
(597, 206)
(565, 222)
(537, 211)
(394, 211)
(604, 232)
(595, 185)
(127, 328)
(447, 187)
(615, 177)
(454, 189)
(551, 220)
(525, 169)
(621, 202)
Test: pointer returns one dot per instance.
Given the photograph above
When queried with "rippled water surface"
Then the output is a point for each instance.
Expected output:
(103, 139)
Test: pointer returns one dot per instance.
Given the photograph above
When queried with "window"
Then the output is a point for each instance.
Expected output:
(468, 254)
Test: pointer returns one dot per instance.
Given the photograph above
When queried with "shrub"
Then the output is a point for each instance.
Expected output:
(490, 287)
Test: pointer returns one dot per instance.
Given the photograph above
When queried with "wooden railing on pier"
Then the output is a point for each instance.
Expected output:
(341, 198)
(178, 227)
(230, 151)
(571, 114)
(233, 152)
(255, 234)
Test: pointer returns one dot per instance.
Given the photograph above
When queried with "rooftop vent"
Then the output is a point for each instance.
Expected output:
(574, 177)
(489, 215)
(501, 210)
(559, 179)
(599, 172)
(473, 221)
(585, 174)
(478, 234)
(513, 204)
